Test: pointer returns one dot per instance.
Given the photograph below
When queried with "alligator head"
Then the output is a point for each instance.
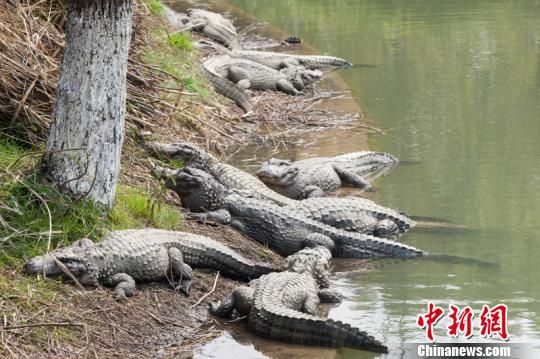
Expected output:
(314, 260)
(278, 172)
(199, 190)
(72, 259)
(186, 152)
(301, 77)
(310, 76)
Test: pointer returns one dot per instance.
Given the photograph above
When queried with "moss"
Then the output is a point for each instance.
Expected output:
(28, 293)
(265, 253)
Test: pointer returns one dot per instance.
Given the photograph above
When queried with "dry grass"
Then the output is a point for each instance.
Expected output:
(31, 46)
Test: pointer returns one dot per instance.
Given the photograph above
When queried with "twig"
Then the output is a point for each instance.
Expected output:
(207, 294)
(21, 326)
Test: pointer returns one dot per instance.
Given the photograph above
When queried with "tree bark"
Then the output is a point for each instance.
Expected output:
(85, 140)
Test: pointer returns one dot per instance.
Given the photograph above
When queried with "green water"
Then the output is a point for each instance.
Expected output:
(456, 85)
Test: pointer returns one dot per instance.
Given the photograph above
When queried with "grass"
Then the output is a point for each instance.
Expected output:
(27, 234)
(137, 209)
(173, 53)
(24, 219)
(9, 152)
(155, 6)
(71, 220)
(180, 40)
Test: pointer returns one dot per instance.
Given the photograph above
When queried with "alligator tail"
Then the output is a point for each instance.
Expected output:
(225, 260)
(229, 90)
(357, 245)
(325, 61)
(280, 323)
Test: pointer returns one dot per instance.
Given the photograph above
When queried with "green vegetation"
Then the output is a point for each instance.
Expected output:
(25, 203)
(264, 253)
(155, 6)
(173, 53)
(9, 152)
(180, 40)
(136, 209)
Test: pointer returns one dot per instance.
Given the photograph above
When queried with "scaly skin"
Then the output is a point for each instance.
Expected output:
(283, 306)
(282, 229)
(252, 75)
(229, 176)
(359, 215)
(278, 60)
(215, 26)
(316, 176)
(123, 258)
(355, 215)
(228, 89)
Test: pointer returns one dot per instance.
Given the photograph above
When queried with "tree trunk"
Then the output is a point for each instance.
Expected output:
(83, 149)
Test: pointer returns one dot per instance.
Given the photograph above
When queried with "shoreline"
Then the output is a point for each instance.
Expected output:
(62, 320)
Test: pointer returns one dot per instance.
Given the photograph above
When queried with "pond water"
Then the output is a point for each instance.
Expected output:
(456, 87)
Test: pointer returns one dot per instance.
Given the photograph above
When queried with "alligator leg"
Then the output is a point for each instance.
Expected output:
(239, 76)
(318, 239)
(312, 191)
(240, 299)
(123, 284)
(244, 84)
(330, 296)
(311, 302)
(348, 177)
(289, 64)
(285, 86)
(221, 216)
(181, 269)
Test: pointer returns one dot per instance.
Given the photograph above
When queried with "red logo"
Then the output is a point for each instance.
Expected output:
(429, 320)
(493, 321)
(460, 321)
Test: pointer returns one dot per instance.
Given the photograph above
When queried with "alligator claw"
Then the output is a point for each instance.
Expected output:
(120, 296)
(184, 287)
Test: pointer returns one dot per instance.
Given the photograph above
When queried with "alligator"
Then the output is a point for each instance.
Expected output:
(143, 255)
(231, 177)
(355, 214)
(211, 24)
(279, 60)
(352, 214)
(228, 89)
(283, 229)
(283, 306)
(314, 176)
(248, 74)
